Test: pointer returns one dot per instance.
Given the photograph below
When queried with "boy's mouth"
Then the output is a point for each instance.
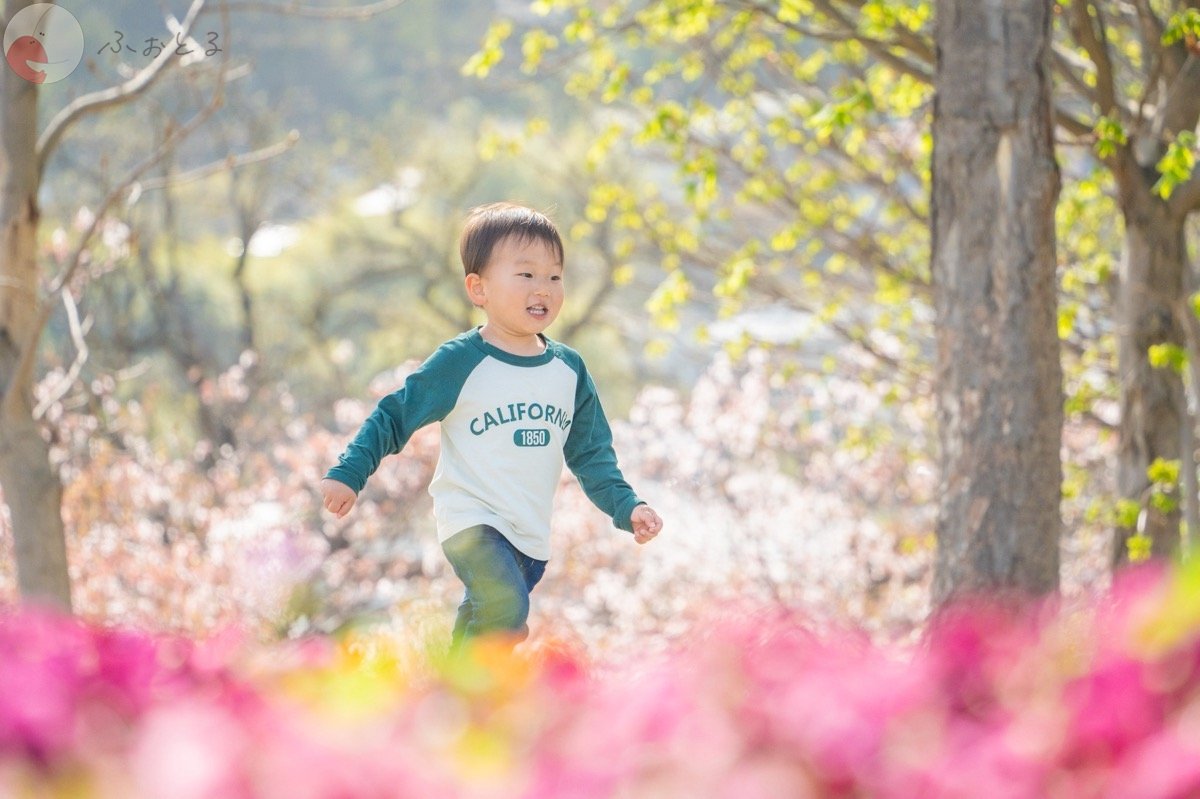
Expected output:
(537, 310)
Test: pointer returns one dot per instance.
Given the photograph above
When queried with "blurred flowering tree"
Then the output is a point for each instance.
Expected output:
(160, 540)
(32, 490)
(28, 296)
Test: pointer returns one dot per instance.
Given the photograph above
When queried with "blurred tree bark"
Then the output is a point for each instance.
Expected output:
(31, 486)
(1151, 160)
(999, 378)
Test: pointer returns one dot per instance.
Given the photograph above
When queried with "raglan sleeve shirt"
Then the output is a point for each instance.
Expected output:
(508, 424)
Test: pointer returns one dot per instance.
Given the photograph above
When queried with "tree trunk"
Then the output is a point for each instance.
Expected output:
(32, 488)
(34, 495)
(1153, 402)
(995, 187)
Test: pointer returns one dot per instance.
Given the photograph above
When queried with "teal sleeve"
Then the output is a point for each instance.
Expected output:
(428, 395)
(590, 456)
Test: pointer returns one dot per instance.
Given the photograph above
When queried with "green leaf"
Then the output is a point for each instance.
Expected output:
(1176, 165)
(1182, 26)
(1138, 546)
(737, 276)
(1109, 136)
(491, 52)
(785, 239)
(1163, 472)
(1066, 320)
(534, 44)
(891, 290)
(1164, 503)
(1168, 356)
(792, 11)
(1126, 513)
(664, 304)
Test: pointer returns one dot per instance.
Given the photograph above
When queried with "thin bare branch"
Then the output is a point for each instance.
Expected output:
(1094, 42)
(1149, 23)
(1071, 66)
(112, 96)
(1098, 420)
(1152, 27)
(79, 337)
(169, 143)
(1073, 124)
(1143, 107)
(226, 164)
(1180, 108)
(1165, 61)
(25, 368)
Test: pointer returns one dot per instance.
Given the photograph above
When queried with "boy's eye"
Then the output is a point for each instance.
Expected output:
(556, 277)
(525, 274)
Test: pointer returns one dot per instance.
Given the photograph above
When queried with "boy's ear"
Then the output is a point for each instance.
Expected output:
(475, 292)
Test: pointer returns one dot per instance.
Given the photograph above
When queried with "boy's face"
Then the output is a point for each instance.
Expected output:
(521, 288)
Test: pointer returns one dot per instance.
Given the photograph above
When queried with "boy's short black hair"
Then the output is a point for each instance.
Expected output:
(489, 224)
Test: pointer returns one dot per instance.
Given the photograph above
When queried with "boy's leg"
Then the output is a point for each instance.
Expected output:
(532, 570)
(497, 581)
(460, 620)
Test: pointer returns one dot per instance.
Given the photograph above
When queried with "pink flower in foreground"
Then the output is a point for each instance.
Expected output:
(44, 664)
(997, 701)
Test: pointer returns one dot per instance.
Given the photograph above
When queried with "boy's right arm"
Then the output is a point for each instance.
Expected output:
(385, 432)
(428, 395)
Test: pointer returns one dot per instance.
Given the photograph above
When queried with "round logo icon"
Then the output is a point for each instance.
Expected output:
(43, 43)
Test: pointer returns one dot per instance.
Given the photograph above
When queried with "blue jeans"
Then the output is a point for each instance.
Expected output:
(498, 577)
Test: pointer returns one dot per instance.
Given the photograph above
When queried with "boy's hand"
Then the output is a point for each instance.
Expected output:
(339, 497)
(646, 523)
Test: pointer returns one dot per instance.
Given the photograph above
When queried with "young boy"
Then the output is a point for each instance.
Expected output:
(513, 405)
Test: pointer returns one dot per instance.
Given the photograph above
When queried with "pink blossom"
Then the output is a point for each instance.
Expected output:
(999, 700)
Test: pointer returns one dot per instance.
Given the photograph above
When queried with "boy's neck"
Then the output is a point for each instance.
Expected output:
(514, 345)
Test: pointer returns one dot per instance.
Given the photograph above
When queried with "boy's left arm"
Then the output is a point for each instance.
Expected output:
(590, 456)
